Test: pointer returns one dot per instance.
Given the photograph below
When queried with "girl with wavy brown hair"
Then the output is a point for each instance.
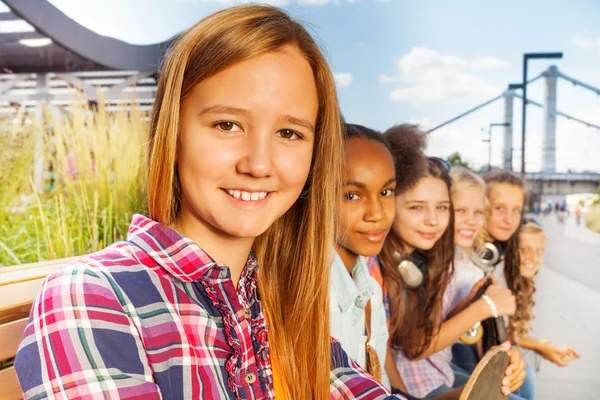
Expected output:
(416, 264)
(222, 290)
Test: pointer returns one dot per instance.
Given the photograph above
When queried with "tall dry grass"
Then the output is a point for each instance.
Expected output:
(592, 216)
(94, 180)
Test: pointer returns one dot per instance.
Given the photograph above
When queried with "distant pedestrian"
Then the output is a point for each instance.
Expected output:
(578, 215)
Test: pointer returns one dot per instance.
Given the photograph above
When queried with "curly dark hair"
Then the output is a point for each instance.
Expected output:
(520, 286)
(407, 144)
(414, 324)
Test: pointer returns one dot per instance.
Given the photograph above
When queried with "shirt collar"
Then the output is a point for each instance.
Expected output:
(349, 290)
(177, 254)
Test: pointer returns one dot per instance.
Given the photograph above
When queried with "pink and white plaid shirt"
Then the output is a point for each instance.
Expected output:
(155, 317)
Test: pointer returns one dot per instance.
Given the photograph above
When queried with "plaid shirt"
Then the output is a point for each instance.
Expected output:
(423, 376)
(155, 317)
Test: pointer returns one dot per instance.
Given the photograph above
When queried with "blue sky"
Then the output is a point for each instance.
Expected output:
(422, 61)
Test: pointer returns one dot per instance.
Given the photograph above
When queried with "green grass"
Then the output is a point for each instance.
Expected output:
(86, 204)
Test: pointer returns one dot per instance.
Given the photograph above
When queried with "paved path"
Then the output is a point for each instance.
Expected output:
(568, 310)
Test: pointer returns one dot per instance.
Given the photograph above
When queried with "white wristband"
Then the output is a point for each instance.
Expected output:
(491, 304)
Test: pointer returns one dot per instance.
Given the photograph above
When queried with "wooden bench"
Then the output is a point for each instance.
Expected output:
(18, 287)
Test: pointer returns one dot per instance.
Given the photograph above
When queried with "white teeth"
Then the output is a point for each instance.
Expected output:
(247, 196)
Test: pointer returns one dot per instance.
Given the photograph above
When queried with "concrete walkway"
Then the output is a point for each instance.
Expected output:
(568, 310)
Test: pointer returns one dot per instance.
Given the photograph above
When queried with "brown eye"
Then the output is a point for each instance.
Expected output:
(227, 126)
(288, 134)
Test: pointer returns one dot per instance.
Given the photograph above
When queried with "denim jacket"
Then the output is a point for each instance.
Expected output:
(349, 294)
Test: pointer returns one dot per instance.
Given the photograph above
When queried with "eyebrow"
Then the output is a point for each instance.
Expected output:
(299, 121)
(354, 183)
(221, 109)
(390, 181)
(426, 202)
(363, 186)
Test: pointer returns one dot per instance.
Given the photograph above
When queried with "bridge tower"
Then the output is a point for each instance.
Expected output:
(507, 148)
(549, 146)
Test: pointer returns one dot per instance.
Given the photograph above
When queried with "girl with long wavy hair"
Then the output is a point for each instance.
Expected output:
(222, 290)
(531, 252)
(416, 264)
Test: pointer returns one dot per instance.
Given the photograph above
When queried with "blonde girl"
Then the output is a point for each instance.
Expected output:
(222, 290)
(468, 194)
(531, 251)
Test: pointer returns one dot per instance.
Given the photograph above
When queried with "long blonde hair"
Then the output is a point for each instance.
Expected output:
(463, 178)
(519, 325)
(294, 253)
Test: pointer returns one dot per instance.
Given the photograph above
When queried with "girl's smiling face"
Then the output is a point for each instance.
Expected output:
(366, 212)
(246, 144)
(506, 203)
(469, 215)
(531, 252)
(422, 214)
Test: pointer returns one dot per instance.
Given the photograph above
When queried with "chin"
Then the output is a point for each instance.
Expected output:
(464, 243)
(424, 245)
(246, 230)
(501, 235)
(529, 274)
(369, 250)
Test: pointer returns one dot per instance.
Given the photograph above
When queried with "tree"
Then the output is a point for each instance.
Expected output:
(455, 160)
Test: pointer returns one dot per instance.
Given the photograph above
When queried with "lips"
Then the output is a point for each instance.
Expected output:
(530, 266)
(467, 233)
(374, 236)
(427, 235)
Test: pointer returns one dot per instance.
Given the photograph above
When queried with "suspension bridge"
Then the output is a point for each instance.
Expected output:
(547, 183)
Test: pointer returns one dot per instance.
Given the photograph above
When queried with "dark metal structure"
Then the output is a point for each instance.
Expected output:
(73, 47)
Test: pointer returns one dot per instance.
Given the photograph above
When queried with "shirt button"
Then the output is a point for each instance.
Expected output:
(247, 313)
(250, 378)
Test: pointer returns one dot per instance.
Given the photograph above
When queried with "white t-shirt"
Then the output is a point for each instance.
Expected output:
(466, 275)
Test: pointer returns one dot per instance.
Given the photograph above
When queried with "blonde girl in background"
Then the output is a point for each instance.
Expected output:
(469, 202)
(222, 290)
(531, 250)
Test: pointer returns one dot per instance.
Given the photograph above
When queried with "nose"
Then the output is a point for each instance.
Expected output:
(375, 211)
(506, 216)
(470, 219)
(431, 217)
(257, 155)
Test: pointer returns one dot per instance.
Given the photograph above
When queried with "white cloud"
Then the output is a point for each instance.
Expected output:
(488, 63)
(343, 79)
(389, 79)
(427, 76)
(314, 2)
(278, 3)
(581, 42)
